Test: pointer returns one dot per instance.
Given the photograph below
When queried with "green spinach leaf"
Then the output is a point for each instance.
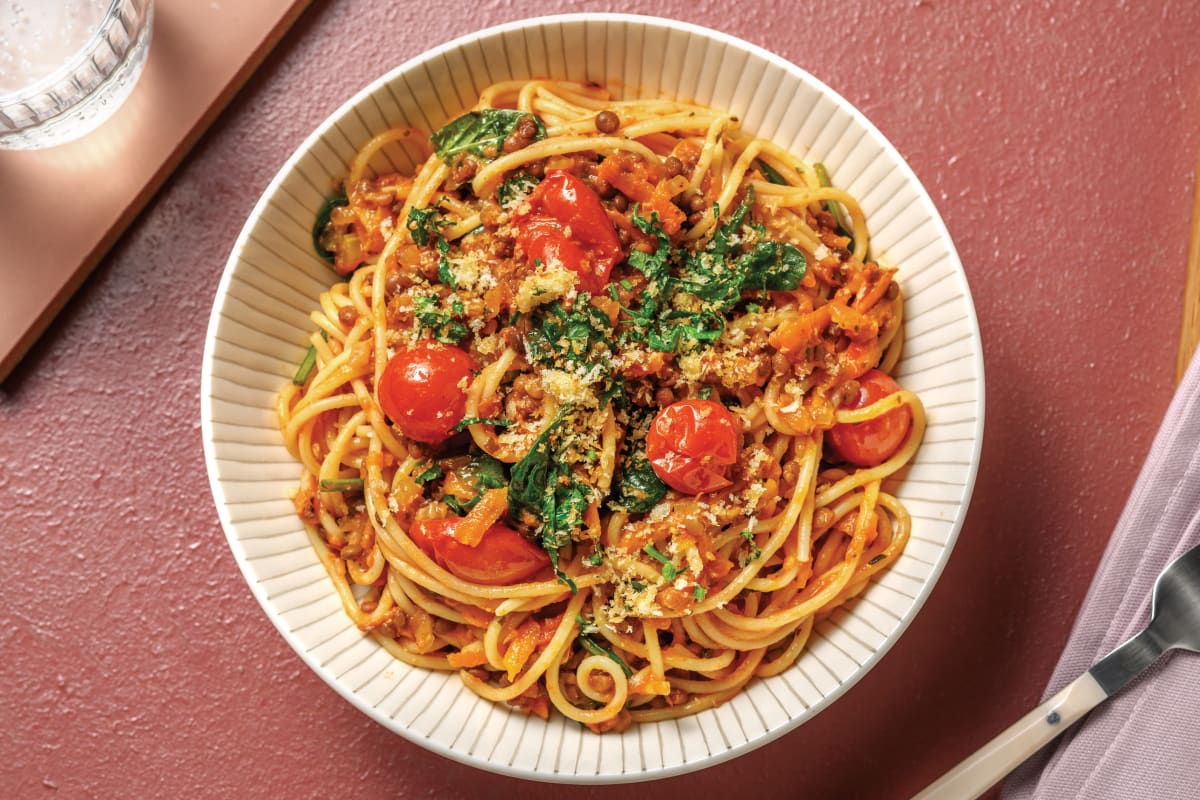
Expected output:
(544, 488)
(322, 222)
(777, 266)
(481, 133)
(638, 488)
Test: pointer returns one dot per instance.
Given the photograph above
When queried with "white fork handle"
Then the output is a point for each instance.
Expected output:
(1001, 755)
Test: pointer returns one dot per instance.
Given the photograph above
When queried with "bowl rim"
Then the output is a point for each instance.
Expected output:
(687, 766)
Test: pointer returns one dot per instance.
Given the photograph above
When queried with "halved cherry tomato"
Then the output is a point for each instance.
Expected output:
(502, 556)
(424, 390)
(691, 445)
(567, 224)
(870, 443)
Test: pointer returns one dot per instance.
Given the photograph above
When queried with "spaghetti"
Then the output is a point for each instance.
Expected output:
(600, 414)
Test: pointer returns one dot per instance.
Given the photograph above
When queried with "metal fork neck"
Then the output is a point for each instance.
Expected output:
(1123, 664)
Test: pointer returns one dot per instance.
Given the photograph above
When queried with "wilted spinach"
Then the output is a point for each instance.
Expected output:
(481, 133)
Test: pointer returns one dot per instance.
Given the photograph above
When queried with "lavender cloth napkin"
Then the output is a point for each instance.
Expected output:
(1144, 742)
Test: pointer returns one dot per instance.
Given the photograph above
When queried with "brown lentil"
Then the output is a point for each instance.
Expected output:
(602, 187)
(850, 391)
(512, 338)
(392, 283)
(462, 170)
(347, 315)
(607, 122)
(527, 128)
(674, 166)
(512, 143)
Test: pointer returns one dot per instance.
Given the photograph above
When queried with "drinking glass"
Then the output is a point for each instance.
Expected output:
(67, 65)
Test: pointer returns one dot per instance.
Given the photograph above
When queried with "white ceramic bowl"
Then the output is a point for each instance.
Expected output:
(258, 332)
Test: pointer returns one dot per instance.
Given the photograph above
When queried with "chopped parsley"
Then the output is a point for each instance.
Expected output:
(586, 629)
(424, 225)
(755, 553)
(430, 473)
(442, 325)
(688, 294)
(444, 273)
(514, 190)
(468, 421)
(669, 570)
(579, 341)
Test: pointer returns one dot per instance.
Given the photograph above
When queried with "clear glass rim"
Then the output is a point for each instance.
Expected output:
(63, 73)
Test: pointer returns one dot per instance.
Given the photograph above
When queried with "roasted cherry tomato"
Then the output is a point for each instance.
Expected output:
(502, 556)
(691, 445)
(424, 390)
(567, 224)
(867, 444)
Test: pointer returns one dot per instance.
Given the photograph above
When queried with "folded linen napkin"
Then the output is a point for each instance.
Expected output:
(1144, 742)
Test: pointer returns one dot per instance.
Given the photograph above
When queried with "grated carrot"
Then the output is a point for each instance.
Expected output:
(485, 514)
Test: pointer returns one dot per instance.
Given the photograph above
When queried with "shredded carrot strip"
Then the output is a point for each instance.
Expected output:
(472, 655)
(645, 682)
(523, 645)
(637, 185)
(794, 334)
(877, 290)
(485, 514)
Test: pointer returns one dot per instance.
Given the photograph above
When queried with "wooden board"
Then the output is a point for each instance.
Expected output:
(1189, 334)
(63, 207)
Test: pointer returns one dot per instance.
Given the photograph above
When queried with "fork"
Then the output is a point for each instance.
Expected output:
(1174, 624)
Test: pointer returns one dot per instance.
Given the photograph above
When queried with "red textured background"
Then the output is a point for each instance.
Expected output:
(1058, 140)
